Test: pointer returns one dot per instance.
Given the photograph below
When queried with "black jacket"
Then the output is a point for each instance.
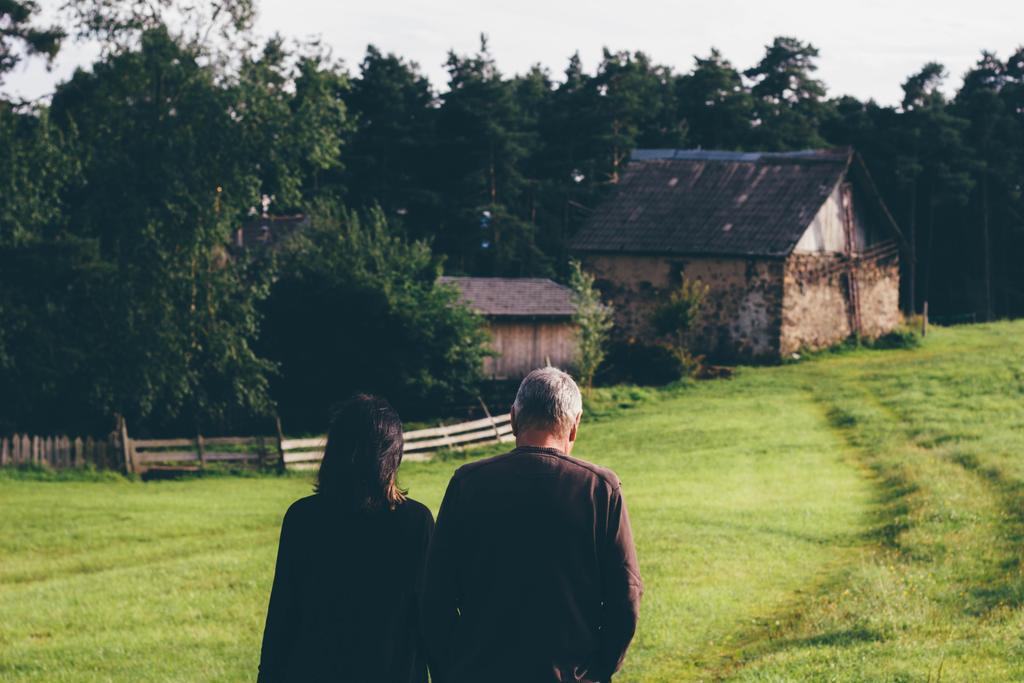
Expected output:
(532, 574)
(344, 602)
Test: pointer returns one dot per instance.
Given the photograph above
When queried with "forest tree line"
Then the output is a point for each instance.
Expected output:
(119, 194)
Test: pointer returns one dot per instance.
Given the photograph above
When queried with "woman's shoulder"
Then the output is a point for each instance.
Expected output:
(415, 509)
(302, 507)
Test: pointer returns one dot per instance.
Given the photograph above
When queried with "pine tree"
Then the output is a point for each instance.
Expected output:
(788, 100)
(715, 103)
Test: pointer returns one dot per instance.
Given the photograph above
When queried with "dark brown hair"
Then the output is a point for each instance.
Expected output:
(363, 452)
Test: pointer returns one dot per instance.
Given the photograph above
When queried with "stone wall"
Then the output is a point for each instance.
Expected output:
(879, 283)
(816, 307)
(741, 319)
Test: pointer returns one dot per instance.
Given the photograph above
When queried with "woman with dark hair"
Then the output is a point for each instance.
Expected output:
(350, 561)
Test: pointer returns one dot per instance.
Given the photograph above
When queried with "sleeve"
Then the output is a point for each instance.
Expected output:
(282, 612)
(439, 598)
(621, 588)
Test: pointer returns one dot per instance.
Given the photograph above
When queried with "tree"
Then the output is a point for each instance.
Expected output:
(121, 24)
(594, 321)
(391, 157)
(995, 134)
(788, 99)
(40, 167)
(715, 103)
(932, 167)
(293, 123)
(164, 183)
(20, 36)
(634, 108)
(47, 279)
(359, 308)
(564, 164)
(482, 144)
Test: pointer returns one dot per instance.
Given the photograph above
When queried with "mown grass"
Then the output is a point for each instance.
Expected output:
(856, 517)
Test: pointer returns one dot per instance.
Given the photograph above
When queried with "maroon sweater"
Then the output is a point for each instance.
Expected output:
(531, 573)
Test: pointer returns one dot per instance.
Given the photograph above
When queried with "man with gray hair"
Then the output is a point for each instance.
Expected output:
(531, 574)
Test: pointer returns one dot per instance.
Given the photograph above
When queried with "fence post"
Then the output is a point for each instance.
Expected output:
(126, 447)
(497, 434)
(37, 455)
(280, 444)
(77, 452)
(201, 450)
(446, 436)
(924, 321)
(110, 451)
(261, 449)
(4, 454)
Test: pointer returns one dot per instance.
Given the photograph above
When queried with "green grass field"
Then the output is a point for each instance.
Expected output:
(857, 517)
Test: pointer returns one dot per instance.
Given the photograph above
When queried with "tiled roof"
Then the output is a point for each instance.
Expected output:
(706, 202)
(514, 297)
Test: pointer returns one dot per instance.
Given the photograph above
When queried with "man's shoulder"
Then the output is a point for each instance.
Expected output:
(580, 467)
(483, 464)
(603, 473)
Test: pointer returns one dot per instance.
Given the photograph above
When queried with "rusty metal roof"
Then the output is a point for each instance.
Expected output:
(697, 202)
(501, 297)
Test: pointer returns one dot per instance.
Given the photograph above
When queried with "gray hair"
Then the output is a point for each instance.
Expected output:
(548, 399)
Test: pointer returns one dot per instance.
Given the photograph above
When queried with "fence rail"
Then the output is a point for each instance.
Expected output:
(121, 452)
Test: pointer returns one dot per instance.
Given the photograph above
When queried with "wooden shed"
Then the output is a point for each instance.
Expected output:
(530, 321)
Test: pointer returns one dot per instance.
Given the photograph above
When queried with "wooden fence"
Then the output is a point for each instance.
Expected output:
(419, 444)
(121, 452)
(59, 451)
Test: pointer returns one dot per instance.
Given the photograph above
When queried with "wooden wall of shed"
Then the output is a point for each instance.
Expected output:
(523, 346)
(741, 319)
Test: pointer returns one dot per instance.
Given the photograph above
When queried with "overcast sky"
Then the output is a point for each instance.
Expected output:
(868, 47)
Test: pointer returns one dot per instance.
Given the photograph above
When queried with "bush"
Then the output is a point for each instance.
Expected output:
(676, 317)
(900, 338)
(593, 323)
(636, 362)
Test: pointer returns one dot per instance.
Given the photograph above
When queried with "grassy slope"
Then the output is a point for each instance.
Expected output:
(939, 594)
(852, 518)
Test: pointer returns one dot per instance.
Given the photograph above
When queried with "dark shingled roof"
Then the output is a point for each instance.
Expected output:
(694, 202)
(502, 297)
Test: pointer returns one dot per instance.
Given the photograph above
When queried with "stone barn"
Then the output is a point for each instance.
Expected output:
(798, 250)
(530, 321)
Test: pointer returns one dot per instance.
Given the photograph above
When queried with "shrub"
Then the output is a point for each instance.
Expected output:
(593, 324)
(903, 337)
(675, 319)
(636, 362)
